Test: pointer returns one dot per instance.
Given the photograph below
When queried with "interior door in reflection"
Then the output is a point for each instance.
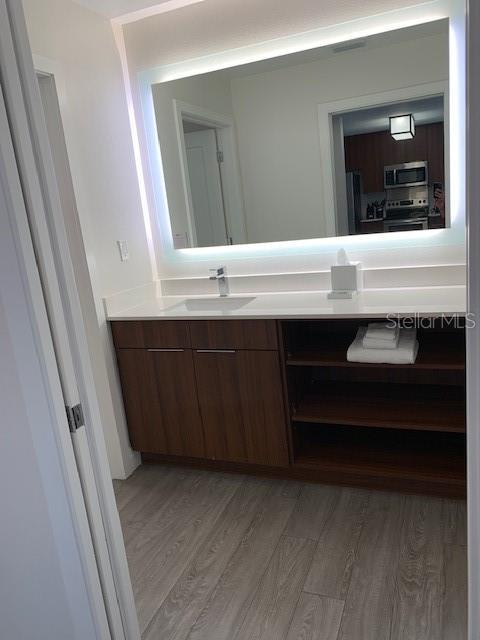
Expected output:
(206, 188)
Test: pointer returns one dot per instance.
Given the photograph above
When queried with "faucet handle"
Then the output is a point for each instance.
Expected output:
(219, 272)
(220, 275)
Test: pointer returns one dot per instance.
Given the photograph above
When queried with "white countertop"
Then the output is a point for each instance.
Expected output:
(422, 301)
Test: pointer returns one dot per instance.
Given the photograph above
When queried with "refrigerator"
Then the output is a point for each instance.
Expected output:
(354, 200)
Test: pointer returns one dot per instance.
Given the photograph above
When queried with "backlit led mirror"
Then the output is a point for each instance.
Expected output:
(302, 146)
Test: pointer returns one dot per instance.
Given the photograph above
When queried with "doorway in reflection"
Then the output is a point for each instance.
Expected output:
(391, 172)
(204, 159)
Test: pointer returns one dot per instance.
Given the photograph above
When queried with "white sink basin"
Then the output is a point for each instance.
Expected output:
(212, 304)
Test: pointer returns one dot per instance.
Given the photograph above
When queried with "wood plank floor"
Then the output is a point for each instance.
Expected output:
(227, 557)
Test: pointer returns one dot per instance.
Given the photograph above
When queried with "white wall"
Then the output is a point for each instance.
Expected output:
(210, 92)
(94, 112)
(98, 136)
(278, 134)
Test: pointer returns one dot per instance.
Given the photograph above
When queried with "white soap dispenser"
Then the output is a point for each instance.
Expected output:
(346, 277)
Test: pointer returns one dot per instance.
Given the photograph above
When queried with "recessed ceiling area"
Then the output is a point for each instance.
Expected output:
(117, 8)
(424, 110)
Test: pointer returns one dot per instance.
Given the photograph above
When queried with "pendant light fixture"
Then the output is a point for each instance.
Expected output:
(402, 127)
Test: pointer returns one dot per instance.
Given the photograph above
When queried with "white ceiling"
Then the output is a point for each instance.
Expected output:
(116, 8)
(424, 110)
(311, 55)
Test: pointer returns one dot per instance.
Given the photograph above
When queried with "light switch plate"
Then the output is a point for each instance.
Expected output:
(180, 240)
(123, 249)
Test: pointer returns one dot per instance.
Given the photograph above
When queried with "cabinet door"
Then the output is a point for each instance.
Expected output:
(241, 401)
(161, 401)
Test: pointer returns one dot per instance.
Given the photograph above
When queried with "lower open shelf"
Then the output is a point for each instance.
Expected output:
(410, 460)
(389, 406)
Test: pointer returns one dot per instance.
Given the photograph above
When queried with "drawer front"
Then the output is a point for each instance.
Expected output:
(151, 334)
(234, 334)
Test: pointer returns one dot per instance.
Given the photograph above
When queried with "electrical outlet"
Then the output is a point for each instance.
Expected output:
(123, 249)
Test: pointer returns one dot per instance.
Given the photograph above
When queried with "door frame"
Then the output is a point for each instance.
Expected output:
(229, 168)
(36, 165)
(84, 391)
(473, 307)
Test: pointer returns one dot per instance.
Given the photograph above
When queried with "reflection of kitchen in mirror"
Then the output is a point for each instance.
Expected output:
(394, 167)
(299, 146)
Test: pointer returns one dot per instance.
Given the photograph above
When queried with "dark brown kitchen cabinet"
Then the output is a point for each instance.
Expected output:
(160, 396)
(241, 403)
(370, 152)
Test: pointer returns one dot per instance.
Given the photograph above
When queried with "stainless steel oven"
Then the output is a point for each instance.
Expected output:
(406, 198)
(407, 224)
(408, 174)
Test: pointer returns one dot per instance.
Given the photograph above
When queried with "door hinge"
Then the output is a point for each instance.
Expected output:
(219, 157)
(75, 417)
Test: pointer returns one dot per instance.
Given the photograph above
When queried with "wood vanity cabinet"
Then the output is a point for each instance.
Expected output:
(281, 398)
(161, 404)
(241, 403)
(203, 389)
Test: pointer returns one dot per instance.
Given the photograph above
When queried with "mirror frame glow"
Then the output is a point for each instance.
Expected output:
(454, 10)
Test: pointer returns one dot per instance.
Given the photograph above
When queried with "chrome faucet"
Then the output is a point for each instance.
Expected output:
(220, 275)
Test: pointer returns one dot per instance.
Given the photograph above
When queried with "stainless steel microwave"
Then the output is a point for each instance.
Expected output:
(408, 174)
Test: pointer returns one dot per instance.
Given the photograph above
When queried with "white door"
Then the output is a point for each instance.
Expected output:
(29, 355)
(109, 621)
(106, 567)
(206, 188)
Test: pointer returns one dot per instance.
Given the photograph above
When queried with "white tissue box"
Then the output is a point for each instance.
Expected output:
(346, 277)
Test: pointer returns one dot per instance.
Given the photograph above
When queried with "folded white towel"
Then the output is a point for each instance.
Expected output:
(375, 343)
(405, 353)
(382, 331)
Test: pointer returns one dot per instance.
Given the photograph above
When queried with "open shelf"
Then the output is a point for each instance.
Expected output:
(387, 406)
(385, 426)
(444, 353)
(391, 459)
